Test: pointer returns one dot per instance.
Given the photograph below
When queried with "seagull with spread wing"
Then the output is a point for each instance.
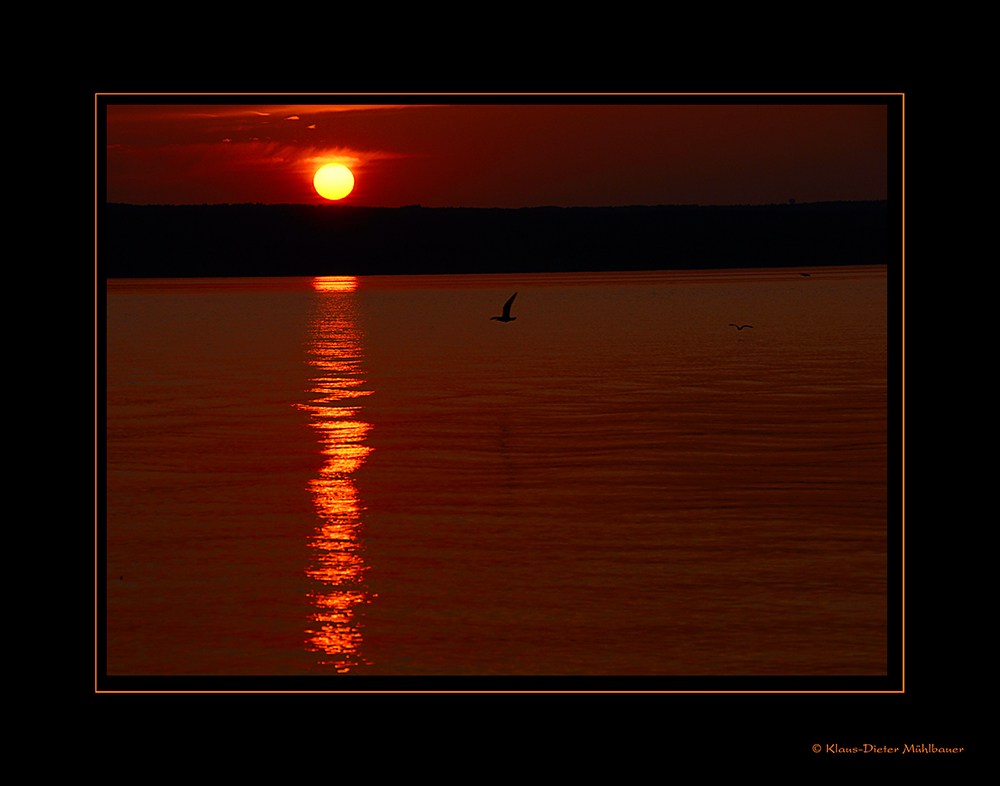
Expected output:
(506, 311)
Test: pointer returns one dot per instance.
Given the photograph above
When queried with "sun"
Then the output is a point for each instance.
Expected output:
(333, 181)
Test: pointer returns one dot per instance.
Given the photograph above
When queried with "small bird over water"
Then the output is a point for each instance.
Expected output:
(739, 327)
(506, 311)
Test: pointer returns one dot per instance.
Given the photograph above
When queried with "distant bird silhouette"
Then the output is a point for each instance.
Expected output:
(739, 327)
(804, 274)
(506, 311)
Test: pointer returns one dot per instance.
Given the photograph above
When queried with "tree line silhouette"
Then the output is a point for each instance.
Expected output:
(161, 241)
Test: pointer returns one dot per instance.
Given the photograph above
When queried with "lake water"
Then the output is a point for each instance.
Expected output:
(368, 476)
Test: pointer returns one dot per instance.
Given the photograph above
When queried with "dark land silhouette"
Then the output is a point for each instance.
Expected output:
(162, 241)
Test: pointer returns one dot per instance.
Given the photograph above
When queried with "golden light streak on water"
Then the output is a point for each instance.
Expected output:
(335, 283)
(339, 566)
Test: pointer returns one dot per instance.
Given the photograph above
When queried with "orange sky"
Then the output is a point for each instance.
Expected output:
(499, 155)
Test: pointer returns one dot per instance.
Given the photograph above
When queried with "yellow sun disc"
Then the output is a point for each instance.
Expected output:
(333, 181)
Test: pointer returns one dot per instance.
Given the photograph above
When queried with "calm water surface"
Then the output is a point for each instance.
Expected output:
(368, 476)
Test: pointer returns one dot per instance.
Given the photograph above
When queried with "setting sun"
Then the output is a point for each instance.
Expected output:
(333, 181)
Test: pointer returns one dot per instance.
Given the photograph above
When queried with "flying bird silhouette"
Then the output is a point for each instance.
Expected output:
(739, 327)
(506, 311)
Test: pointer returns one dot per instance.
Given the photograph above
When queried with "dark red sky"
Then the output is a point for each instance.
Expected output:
(498, 155)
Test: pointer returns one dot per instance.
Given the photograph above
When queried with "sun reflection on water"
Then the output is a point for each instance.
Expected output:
(336, 355)
(335, 283)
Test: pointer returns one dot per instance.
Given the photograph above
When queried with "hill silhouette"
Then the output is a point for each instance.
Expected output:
(162, 241)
